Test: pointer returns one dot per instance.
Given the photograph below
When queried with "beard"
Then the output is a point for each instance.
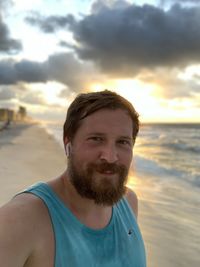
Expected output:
(104, 190)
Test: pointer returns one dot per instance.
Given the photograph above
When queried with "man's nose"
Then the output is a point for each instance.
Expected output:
(109, 153)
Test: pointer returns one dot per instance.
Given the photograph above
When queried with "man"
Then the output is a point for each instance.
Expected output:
(86, 216)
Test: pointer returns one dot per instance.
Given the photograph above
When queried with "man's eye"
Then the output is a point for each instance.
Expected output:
(124, 142)
(95, 138)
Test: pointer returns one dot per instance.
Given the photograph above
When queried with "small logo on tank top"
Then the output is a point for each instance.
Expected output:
(130, 231)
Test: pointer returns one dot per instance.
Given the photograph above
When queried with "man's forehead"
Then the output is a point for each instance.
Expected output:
(108, 112)
(118, 119)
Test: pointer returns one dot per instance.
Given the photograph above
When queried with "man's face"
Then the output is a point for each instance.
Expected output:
(101, 155)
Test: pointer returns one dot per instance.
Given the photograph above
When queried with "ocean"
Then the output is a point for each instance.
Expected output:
(166, 177)
(170, 150)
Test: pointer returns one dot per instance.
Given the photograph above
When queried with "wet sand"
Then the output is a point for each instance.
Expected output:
(169, 217)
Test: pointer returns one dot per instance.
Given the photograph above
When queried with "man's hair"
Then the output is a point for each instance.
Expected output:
(87, 103)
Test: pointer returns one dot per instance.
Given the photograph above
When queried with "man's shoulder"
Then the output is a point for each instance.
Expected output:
(21, 215)
(24, 204)
(19, 220)
(133, 200)
(24, 228)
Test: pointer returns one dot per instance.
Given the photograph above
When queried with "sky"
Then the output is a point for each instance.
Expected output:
(147, 51)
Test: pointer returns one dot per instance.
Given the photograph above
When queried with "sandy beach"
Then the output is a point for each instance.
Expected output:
(28, 154)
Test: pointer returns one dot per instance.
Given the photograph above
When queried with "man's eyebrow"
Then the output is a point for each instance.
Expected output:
(126, 137)
(120, 137)
(96, 133)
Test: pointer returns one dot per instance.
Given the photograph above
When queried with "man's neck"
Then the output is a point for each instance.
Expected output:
(84, 209)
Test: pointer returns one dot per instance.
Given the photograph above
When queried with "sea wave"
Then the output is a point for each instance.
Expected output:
(182, 146)
(152, 168)
(176, 144)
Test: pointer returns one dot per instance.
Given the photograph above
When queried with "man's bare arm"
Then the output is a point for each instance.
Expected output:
(17, 233)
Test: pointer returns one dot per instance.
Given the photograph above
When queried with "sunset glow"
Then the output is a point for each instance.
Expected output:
(150, 104)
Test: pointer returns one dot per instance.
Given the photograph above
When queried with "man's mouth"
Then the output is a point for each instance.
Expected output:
(107, 172)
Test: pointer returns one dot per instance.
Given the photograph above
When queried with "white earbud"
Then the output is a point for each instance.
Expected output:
(68, 149)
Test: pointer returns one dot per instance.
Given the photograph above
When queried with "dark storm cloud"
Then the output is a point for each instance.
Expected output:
(135, 37)
(28, 71)
(12, 72)
(7, 73)
(130, 38)
(63, 67)
(7, 44)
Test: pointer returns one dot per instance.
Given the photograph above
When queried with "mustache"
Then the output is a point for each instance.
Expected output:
(104, 166)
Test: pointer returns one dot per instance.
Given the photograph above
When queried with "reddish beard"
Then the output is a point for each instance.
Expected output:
(103, 189)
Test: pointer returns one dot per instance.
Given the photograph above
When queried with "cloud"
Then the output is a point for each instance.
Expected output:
(197, 77)
(134, 38)
(51, 23)
(62, 67)
(7, 73)
(99, 5)
(128, 38)
(7, 44)
(163, 2)
(123, 41)
(65, 68)
(7, 93)
(175, 88)
(28, 71)
(34, 98)
(12, 72)
(77, 76)
(23, 94)
(169, 85)
(4, 4)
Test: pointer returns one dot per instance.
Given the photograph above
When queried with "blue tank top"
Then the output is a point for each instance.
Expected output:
(76, 245)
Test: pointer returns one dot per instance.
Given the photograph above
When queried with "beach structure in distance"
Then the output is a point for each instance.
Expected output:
(11, 115)
(8, 115)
